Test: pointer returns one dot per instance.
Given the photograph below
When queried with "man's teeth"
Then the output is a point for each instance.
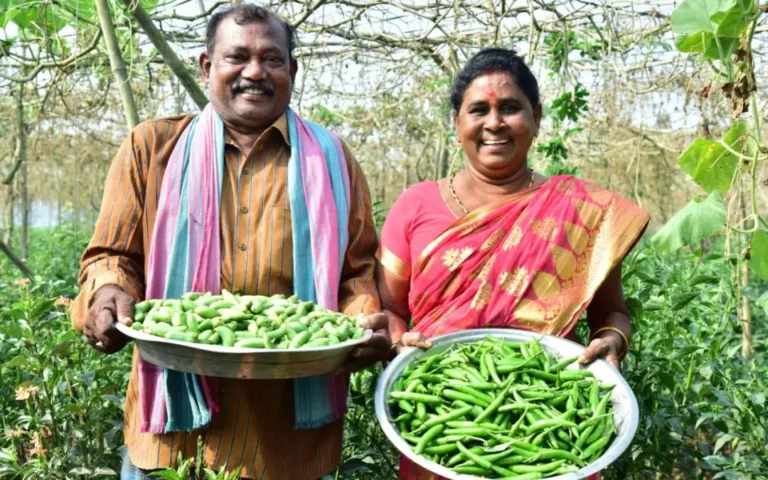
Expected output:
(498, 142)
(253, 91)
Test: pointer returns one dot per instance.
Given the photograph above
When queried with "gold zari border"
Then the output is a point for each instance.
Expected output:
(393, 263)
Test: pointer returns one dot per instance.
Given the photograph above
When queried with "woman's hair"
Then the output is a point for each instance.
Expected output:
(495, 60)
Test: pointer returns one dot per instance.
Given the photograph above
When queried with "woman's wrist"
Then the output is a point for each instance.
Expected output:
(616, 336)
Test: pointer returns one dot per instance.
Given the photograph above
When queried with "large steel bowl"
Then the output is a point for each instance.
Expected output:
(626, 412)
(247, 363)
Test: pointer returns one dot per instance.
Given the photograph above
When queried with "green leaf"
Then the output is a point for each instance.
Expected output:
(167, 474)
(705, 44)
(25, 18)
(20, 12)
(61, 348)
(11, 330)
(82, 9)
(148, 5)
(706, 372)
(721, 441)
(209, 474)
(667, 380)
(696, 221)
(702, 419)
(758, 260)
(704, 278)
(18, 361)
(681, 300)
(104, 472)
(700, 24)
(54, 20)
(710, 164)
(763, 302)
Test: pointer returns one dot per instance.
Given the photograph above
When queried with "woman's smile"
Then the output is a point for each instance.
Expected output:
(496, 124)
(497, 146)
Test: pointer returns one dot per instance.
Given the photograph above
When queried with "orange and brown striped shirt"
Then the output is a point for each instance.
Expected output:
(254, 428)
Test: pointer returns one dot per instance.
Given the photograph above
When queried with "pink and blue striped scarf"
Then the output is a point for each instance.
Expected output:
(185, 256)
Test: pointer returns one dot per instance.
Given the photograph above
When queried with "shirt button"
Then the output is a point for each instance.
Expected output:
(242, 246)
(243, 209)
(246, 170)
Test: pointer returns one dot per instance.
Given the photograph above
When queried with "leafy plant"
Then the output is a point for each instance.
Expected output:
(61, 401)
(722, 31)
(195, 468)
(700, 219)
(567, 107)
(702, 406)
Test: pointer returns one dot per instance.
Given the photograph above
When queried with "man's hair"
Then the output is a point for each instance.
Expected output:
(495, 60)
(245, 14)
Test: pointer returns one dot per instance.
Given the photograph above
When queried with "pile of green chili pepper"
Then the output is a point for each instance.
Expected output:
(503, 409)
(248, 321)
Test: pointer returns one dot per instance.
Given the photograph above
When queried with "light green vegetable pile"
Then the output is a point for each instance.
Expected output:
(250, 321)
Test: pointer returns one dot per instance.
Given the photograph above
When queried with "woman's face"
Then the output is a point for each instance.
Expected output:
(496, 125)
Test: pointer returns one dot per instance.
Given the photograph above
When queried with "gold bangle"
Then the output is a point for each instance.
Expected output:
(622, 334)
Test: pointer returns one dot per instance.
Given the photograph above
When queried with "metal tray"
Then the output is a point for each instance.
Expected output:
(626, 411)
(245, 363)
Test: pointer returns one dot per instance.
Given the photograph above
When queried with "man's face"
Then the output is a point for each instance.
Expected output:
(249, 74)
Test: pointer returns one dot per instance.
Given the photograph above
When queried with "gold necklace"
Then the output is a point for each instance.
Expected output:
(463, 208)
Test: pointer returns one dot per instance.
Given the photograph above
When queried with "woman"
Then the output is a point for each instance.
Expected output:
(497, 245)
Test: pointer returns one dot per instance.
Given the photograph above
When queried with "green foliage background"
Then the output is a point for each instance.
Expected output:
(703, 408)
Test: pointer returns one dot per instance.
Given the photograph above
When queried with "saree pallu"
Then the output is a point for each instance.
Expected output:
(532, 262)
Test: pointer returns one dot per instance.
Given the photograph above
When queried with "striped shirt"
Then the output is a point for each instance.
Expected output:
(254, 428)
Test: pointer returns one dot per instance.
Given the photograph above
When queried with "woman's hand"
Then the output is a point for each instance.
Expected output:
(413, 339)
(608, 346)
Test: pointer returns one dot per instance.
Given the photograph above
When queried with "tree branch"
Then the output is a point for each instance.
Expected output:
(15, 260)
(170, 57)
(39, 67)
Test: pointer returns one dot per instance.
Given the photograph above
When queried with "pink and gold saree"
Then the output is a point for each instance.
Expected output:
(533, 262)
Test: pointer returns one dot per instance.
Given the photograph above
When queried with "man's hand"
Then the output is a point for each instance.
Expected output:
(110, 304)
(607, 346)
(375, 349)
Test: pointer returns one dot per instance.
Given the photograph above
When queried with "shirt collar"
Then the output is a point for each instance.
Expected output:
(280, 125)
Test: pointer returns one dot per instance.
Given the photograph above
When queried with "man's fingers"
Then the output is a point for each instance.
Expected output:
(365, 353)
(378, 342)
(360, 358)
(127, 321)
(104, 323)
(355, 365)
(124, 305)
(377, 321)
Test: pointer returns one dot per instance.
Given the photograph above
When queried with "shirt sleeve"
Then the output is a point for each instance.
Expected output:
(114, 255)
(357, 292)
(394, 252)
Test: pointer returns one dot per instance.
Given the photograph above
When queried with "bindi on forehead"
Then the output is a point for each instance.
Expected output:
(492, 97)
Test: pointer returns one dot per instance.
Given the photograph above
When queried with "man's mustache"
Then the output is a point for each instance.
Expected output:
(263, 86)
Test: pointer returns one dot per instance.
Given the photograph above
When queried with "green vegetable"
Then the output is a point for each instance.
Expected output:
(499, 409)
(276, 321)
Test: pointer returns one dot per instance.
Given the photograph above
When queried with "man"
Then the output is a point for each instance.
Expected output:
(249, 68)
